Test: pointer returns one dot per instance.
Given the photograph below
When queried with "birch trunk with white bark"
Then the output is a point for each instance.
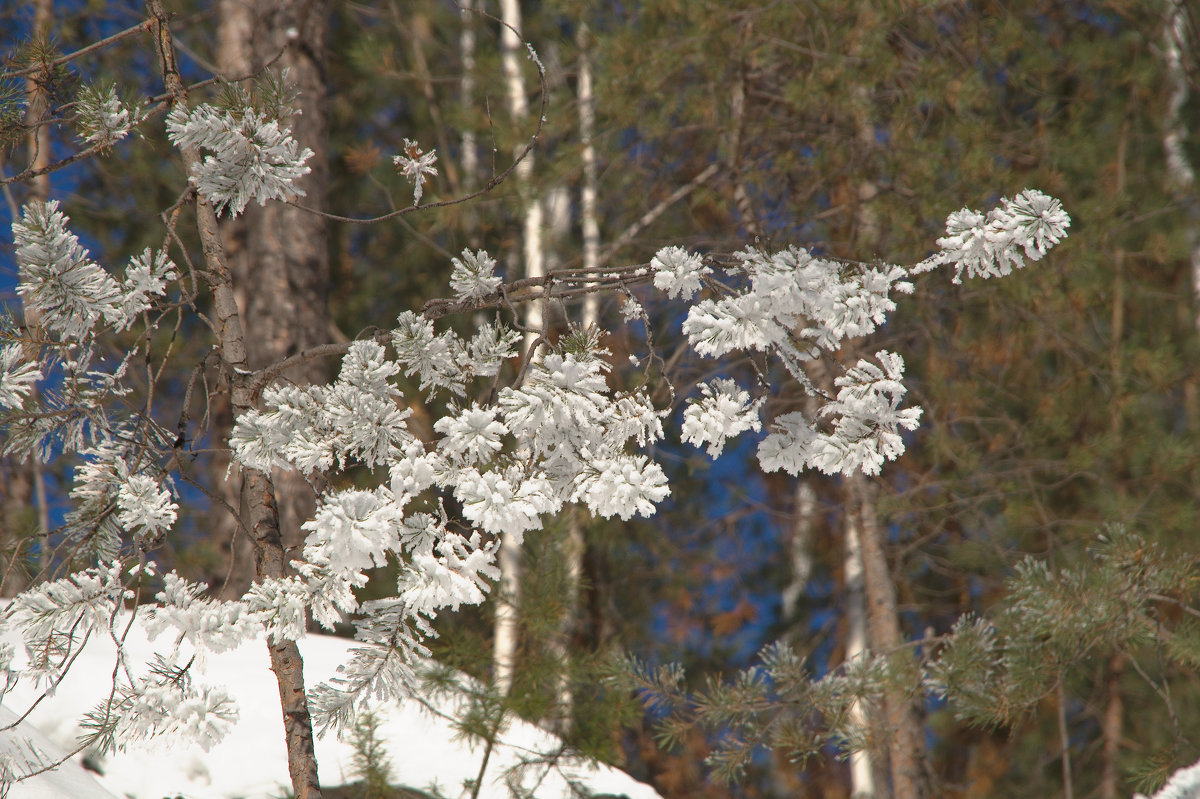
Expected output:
(904, 730)
(509, 561)
(862, 769)
(1176, 50)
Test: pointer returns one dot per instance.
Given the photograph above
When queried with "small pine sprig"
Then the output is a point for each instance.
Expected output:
(12, 111)
(102, 119)
(417, 166)
(56, 618)
(58, 278)
(248, 156)
(370, 761)
(1026, 226)
(165, 702)
(472, 276)
(18, 377)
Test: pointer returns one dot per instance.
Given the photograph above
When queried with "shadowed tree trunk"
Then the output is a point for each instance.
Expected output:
(278, 254)
(904, 729)
(1177, 51)
(22, 493)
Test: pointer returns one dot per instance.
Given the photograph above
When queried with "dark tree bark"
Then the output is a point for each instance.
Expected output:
(905, 731)
(278, 254)
(21, 494)
(258, 493)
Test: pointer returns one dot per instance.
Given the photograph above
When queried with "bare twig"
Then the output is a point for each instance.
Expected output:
(91, 48)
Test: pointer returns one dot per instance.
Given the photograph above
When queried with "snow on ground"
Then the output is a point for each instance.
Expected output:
(71, 779)
(251, 762)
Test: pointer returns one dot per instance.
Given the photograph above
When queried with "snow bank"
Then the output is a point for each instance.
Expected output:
(251, 762)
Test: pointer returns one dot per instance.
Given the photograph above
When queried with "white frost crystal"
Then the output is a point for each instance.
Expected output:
(678, 272)
(248, 156)
(472, 276)
(723, 412)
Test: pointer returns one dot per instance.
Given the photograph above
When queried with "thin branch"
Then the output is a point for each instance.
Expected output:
(1154, 686)
(1186, 608)
(646, 219)
(69, 57)
(262, 377)
(496, 179)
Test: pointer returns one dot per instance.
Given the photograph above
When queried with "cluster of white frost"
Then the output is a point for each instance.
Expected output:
(166, 702)
(73, 299)
(678, 272)
(797, 306)
(144, 508)
(724, 411)
(993, 245)
(472, 276)
(311, 428)
(865, 422)
(56, 620)
(18, 377)
(113, 499)
(101, 117)
(417, 166)
(58, 280)
(247, 156)
(68, 291)
(443, 361)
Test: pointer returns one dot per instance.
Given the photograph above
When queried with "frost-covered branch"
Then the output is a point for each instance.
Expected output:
(512, 448)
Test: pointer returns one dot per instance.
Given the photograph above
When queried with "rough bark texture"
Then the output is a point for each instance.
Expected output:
(24, 515)
(258, 493)
(904, 727)
(277, 253)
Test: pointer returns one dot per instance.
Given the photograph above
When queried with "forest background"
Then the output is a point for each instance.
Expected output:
(1055, 404)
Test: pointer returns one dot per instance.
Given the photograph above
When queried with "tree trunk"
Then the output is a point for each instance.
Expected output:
(575, 545)
(508, 598)
(25, 515)
(904, 727)
(505, 650)
(258, 492)
(589, 218)
(862, 770)
(1111, 729)
(278, 254)
(235, 572)
(572, 553)
(1176, 49)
